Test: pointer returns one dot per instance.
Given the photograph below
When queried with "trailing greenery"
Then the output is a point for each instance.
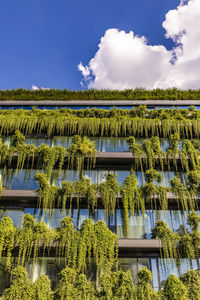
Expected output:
(191, 279)
(80, 149)
(129, 198)
(145, 290)
(94, 243)
(137, 122)
(109, 190)
(113, 285)
(130, 94)
(174, 289)
(48, 157)
(30, 238)
(169, 240)
(75, 286)
(118, 285)
(176, 245)
(7, 238)
(20, 287)
(152, 192)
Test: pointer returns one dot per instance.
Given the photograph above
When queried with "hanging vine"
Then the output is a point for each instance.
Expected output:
(109, 192)
(151, 192)
(144, 288)
(46, 193)
(7, 239)
(81, 149)
(67, 241)
(131, 199)
(169, 240)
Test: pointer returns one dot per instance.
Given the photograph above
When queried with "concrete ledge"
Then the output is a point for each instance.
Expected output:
(98, 102)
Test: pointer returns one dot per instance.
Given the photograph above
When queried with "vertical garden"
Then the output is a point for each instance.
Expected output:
(100, 204)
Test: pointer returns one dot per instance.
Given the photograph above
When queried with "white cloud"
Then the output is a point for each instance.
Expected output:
(124, 60)
(36, 88)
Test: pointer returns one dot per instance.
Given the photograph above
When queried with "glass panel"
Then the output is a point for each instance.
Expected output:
(177, 221)
(22, 180)
(161, 215)
(102, 216)
(143, 262)
(140, 178)
(155, 274)
(38, 141)
(61, 141)
(75, 217)
(166, 268)
(1, 214)
(121, 176)
(83, 215)
(136, 226)
(149, 225)
(129, 264)
(16, 216)
(29, 211)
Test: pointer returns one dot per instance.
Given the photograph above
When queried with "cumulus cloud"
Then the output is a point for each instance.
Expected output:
(125, 60)
(36, 88)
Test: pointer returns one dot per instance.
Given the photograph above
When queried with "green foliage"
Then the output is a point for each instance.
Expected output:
(74, 286)
(191, 279)
(109, 190)
(30, 238)
(174, 289)
(20, 287)
(144, 289)
(168, 238)
(151, 192)
(118, 285)
(80, 149)
(46, 192)
(42, 288)
(129, 94)
(182, 194)
(131, 199)
(48, 158)
(67, 241)
(7, 238)
(98, 122)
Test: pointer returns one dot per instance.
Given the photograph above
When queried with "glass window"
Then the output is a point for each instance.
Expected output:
(61, 141)
(129, 264)
(22, 180)
(154, 270)
(177, 221)
(1, 214)
(38, 141)
(161, 215)
(136, 226)
(29, 211)
(166, 267)
(16, 216)
(83, 215)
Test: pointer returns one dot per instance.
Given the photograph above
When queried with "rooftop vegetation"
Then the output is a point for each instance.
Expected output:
(137, 94)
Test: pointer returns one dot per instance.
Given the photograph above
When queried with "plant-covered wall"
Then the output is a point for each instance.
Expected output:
(97, 122)
(113, 285)
(81, 151)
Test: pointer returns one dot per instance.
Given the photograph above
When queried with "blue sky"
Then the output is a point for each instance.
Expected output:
(43, 41)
